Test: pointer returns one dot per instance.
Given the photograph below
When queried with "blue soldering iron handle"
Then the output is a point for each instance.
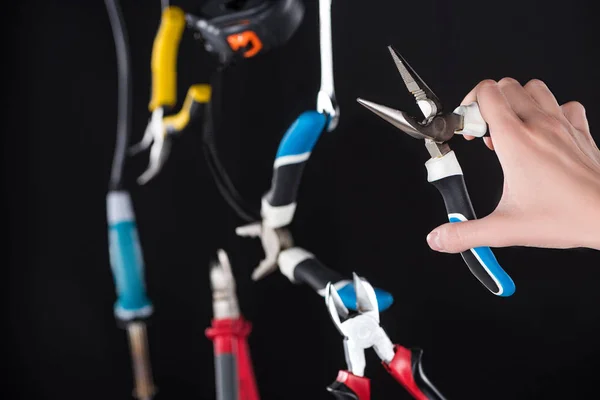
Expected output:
(301, 266)
(446, 175)
(279, 203)
(126, 259)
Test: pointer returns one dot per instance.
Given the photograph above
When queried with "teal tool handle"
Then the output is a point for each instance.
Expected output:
(126, 259)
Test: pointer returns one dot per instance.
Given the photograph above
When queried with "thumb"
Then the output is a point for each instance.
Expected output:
(456, 237)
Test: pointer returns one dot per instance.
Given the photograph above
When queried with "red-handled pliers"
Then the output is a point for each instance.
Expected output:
(362, 331)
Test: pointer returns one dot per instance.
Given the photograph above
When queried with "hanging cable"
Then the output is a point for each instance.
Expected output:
(124, 93)
(218, 171)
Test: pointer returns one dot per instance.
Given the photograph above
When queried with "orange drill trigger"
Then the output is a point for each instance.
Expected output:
(240, 40)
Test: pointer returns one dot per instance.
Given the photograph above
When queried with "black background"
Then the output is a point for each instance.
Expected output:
(364, 205)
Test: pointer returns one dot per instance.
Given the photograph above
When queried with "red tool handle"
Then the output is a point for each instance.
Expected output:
(229, 338)
(348, 386)
(406, 367)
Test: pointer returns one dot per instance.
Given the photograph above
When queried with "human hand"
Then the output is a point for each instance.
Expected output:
(551, 165)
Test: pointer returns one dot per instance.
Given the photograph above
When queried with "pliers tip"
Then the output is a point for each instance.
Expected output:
(399, 119)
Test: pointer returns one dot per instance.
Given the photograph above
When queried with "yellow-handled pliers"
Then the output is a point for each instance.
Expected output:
(164, 94)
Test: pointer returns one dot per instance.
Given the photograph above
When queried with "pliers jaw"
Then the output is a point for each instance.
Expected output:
(221, 276)
(436, 128)
(157, 138)
(159, 153)
(399, 119)
(427, 101)
(361, 330)
(436, 132)
(273, 241)
(366, 300)
(225, 302)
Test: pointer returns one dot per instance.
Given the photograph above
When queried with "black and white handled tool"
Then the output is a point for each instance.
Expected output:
(443, 169)
(278, 205)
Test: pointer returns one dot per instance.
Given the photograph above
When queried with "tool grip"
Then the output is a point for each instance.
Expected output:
(473, 122)
(342, 392)
(196, 97)
(234, 372)
(279, 203)
(407, 369)
(164, 58)
(348, 386)
(446, 175)
(126, 259)
(226, 380)
(300, 266)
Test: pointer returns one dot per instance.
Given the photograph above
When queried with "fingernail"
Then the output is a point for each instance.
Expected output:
(433, 239)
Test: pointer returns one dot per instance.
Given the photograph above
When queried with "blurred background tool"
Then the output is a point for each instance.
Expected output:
(361, 331)
(234, 375)
(132, 307)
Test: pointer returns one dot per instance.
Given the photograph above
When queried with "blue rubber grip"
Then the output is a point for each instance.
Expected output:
(279, 203)
(446, 175)
(486, 258)
(128, 269)
(316, 275)
(348, 296)
(302, 135)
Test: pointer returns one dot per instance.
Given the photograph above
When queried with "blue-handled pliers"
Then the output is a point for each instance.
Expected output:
(443, 169)
(278, 205)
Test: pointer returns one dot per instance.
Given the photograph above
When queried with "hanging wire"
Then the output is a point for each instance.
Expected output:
(124, 93)
(218, 171)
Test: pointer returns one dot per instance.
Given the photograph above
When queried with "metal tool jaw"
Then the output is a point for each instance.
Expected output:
(161, 130)
(225, 303)
(273, 240)
(437, 127)
(361, 331)
(156, 136)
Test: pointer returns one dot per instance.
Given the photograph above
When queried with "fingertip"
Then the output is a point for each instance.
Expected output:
(495, 107)
(535, 82)
(468, 137)
(574, 111)
(472, 95)
(485, 87)
(489, 88)
(433, 240)
(508, 81)
(487, 82)
(574, 108)
(489, 143)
